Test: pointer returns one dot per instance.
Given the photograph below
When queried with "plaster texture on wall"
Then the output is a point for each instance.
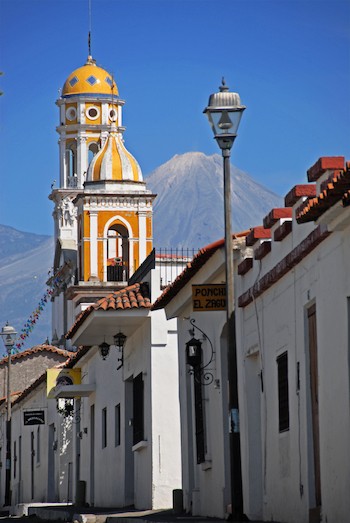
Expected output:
(206, 485)
(166, 465)
(278, 468)
(108, 485)
(30, 474)
(144, 474)
(26, 369)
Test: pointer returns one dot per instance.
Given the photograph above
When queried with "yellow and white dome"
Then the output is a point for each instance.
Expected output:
(90, 79)
(114, 163)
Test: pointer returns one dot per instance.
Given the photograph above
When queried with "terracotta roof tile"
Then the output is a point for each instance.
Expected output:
(257, 233)
(299, 191)
(275, 215)
(75, 357)
(38, 348)
(192, 268)
(334, 190)
(134, 296)
(324, 164)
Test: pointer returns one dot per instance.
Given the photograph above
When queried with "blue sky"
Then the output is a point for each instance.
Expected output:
(288, 59)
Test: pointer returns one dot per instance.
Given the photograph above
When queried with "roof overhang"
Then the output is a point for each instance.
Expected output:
(101, 325)
(74, 391)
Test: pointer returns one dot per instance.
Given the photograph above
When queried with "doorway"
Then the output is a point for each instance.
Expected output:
(51, 465)
(313, 369)
(92, 455)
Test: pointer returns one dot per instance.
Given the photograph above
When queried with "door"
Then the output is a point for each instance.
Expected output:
(51, 465)
(32, 458)
(92, 455)
(314, 401)
(128, 438)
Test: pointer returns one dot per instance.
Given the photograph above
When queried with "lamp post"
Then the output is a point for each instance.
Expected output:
(9, 336)
(224, 113)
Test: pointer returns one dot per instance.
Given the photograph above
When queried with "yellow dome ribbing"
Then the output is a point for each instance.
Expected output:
(114, 163)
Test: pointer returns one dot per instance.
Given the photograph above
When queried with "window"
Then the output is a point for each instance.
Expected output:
(113, 115)
(283, 394)
(71, 167)
(14, 459)
(199, 410)
(93, 113)
(71, 114)
(38, 445)
(92, 80)
(138, 409)
(73, 81)
(104, 427)
(117, 425)
(93, 149)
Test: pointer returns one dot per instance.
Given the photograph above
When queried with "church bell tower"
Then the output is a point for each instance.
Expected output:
(103, 210)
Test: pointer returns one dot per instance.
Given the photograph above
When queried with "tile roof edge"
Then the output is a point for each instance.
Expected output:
(36, 349)
(192, 267)
(95, 306)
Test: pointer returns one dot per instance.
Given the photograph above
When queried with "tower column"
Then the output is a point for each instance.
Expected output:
(81, 159)
(93, 246)
(142, 236)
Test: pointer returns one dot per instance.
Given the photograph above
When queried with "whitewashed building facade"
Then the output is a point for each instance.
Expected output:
(292, 312)
(204, 406)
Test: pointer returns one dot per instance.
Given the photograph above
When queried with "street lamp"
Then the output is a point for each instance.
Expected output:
(9, 336)
(224, 113)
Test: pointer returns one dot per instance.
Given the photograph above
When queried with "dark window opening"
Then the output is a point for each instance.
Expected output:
(199, 411)
(283, 393)
(138, 409)
(104, 427)
(117, 425)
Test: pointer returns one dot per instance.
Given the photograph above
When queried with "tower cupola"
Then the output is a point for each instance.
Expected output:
(90, 79)
(89, 105)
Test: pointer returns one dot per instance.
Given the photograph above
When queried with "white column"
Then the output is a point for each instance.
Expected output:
(142, 235)
(81, 159)
(93, 245)
(81, 118)
(104, 114)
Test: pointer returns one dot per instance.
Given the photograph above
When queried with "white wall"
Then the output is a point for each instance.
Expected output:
(31, 480)
(144, 474)
(279, 471)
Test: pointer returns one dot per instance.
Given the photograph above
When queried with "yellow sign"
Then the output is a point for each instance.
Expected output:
(61, 377)
(209, 297)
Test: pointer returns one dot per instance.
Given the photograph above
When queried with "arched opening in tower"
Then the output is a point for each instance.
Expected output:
(93, 150)
(71, 166)
(117, 253)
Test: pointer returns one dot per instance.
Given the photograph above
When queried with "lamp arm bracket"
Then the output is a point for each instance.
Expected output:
(192, 322)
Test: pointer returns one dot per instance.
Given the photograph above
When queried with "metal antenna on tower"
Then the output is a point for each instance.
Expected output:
(89, 37)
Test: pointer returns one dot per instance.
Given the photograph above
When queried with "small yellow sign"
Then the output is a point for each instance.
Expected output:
(209, 297)
(60, 377)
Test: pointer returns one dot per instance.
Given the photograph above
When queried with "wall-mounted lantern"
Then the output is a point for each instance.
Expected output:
(193, 352)
(104, 350)
(194, 356)
(119, 342)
